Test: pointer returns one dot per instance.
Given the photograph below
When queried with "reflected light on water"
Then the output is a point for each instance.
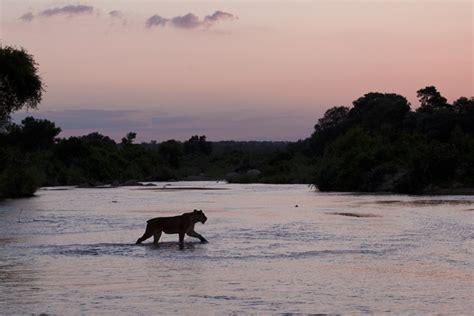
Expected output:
(72, 251)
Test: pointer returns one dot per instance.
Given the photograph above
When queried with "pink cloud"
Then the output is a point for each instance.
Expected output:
(190, 20)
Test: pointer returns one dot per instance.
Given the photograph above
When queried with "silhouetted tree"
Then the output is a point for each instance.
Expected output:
(197, 145)
(171, 151)
(20, 84)
(436, 118)
(34, 134)
(377, 110)
(20, 87)
(431, 100)
(334, 122)
(464, 107)
(129, 138)
(71, 150)
(98, 140)
(25, 154)
(333, 118)
(381, 145)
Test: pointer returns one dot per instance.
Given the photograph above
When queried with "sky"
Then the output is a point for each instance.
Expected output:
(233, 70)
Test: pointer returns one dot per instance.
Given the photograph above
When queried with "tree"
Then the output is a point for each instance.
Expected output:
(332, 118)
(375, 110)
(129, 139)
(464, 105)
(334, 123)
(198, 145)
(431, 100)
(171, 151)
(435, 117)
(349, 161)
(96, 139)
(464, 108)
(20, 87)
(34, 134)
(20, 83)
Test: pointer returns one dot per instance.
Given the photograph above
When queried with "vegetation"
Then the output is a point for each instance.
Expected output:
(20, 84)
(378, 144)
(381, 145)
(95, 159)
(20, 87)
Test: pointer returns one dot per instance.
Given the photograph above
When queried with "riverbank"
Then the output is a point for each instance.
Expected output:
(171, 186)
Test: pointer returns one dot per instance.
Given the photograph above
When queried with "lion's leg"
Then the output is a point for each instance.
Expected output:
(148, 233)
(181, 240)
(156, 236)
(192, 233)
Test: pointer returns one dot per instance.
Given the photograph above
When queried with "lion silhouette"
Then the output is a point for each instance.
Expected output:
(181, 224)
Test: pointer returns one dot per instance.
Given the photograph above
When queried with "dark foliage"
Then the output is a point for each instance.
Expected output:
(20, 84)
(96, 159)
(381, 145)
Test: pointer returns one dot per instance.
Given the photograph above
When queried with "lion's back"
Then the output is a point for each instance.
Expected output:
(170, 224)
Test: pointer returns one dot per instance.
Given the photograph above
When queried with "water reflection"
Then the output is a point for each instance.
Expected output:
(73, 252)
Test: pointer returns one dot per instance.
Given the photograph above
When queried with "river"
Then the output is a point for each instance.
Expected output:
(272, 249)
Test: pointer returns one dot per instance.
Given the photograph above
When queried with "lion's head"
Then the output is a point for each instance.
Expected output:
(199, 216)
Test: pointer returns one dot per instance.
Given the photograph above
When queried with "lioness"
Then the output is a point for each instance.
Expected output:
(182, 224)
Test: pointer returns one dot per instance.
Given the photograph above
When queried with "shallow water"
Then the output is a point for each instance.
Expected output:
(72, 251)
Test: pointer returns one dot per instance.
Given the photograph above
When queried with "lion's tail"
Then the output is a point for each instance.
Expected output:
(148, 233)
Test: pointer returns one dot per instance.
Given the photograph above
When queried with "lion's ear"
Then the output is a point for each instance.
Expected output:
(195, 211)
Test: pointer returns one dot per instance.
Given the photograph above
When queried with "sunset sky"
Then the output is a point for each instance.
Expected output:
(242, 70)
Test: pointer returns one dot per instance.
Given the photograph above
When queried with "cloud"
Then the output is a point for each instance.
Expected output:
(69, 10)
(219, 16)
(190, 20)
(155, 124)
(88, 119)
(171, 120)
(27, 17)
(118, 16)
(156, 20)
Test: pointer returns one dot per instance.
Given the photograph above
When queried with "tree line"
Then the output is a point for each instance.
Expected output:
(381, 144)
(32, 155)
(377, 144)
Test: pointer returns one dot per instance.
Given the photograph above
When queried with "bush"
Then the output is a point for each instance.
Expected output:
(19, 181)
